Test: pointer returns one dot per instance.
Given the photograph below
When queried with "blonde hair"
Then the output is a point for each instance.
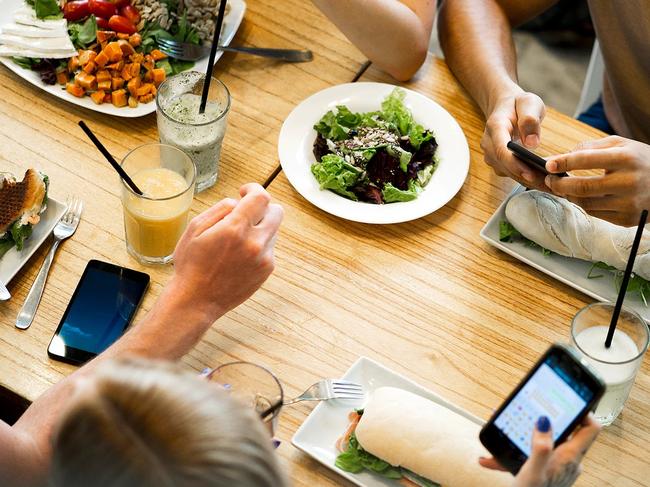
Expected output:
(147, 424)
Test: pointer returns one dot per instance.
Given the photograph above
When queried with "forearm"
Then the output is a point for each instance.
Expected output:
(393, 34)
(168, 331)
(476, 37)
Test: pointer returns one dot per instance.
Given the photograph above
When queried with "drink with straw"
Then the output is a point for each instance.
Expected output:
(618, 364)
(182, 124)
(155, 220)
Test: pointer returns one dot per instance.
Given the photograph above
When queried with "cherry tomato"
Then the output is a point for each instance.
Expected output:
(102, 23)
(118, 23)
(102, 8)
(78, 10)
(131, 13)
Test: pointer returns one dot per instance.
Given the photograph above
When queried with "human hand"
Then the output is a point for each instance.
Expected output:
(621, 193)
(226, 253)
(548, 467)
(513, 116)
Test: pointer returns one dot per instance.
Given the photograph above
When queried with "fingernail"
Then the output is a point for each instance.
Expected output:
(532, 140)
(543, 424)
(551, 166)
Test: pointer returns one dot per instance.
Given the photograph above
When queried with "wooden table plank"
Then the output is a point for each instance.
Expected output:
(430, 299)
(41, 131)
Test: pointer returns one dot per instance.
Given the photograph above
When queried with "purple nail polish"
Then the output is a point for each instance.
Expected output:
(543, 424)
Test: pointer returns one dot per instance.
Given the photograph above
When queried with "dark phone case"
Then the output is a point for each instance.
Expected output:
(77, 356)
(530, 158)
(500, 446)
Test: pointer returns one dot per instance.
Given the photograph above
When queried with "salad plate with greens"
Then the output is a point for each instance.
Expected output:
(373, 153)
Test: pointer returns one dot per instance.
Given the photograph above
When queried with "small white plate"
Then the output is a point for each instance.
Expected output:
(13, 260)
(318, 435)
(296, 157)
(231, 24)
(571, 271)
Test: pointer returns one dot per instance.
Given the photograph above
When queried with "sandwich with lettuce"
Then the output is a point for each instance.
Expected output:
(417, 442)
(375, 157)
(21, 203)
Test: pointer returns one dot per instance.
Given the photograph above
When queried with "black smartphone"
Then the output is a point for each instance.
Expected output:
(560, 386)
(530, 158)
(101, 308)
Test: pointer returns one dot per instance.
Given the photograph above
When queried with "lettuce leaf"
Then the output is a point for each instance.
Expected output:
(355, 459)
(20, 233)
(336, 126)
(332, 172)
(5, 244)
(392, 194)
(46, 9)
(84, 33)
(395, 112)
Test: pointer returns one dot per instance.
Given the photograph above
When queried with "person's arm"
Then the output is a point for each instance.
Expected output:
(549, 467)
(223, 257)
(394, 34)
(476, 37)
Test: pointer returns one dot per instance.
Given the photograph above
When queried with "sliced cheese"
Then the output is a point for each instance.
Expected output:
(27, 16)
(10, 51)
(44, 44)
(32, 31)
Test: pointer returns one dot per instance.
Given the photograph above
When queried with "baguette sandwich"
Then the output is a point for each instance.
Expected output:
(417, 442)
(562, 227)
(21, 204)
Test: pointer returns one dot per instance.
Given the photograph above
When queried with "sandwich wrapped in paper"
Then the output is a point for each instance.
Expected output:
(21, 204)
(400, 434)
(562, 227)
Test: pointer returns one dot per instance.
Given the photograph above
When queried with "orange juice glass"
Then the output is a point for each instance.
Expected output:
(155, 221)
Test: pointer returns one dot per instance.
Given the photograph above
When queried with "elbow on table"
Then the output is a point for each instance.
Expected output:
(405, 68)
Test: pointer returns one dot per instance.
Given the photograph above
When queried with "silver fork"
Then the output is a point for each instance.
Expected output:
(192, 52)
(64, 229)
(330, 389)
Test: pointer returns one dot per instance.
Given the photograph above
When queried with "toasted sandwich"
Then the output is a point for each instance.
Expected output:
(21, 204)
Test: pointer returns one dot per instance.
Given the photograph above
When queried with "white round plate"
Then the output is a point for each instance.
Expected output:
(296, 157)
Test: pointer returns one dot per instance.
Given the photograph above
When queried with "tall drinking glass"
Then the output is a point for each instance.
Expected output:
(155, 221)
(254, 386)
(198, 134)
(618, 364)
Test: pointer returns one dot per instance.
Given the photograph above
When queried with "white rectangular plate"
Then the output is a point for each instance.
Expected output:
(569, 270)
(13, 260)
(231, 23)
(317, 436)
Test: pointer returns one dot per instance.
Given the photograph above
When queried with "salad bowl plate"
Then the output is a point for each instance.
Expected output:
(231, 24)
(296, 156)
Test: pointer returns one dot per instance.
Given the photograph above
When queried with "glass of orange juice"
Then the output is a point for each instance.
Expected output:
(155, 220)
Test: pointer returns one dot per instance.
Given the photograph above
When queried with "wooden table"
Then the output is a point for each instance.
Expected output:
(427, 298)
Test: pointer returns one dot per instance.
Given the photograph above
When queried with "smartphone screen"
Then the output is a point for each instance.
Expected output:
(559, 386)
(551, 391)
(101, 308)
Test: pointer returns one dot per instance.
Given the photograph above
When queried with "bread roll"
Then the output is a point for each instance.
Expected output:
(566, 229)
(410, 431)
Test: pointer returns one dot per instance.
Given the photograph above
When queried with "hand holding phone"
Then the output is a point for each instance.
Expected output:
(530, 158)
(559, 387)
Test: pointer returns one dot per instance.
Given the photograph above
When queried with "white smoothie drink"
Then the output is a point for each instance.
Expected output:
(615, 364)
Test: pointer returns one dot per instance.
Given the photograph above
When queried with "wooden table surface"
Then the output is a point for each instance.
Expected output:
(427, 298)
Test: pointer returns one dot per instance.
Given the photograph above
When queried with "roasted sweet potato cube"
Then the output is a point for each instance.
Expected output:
(101, 59)
(157, 55)
(145, 89)
(104, 85)
(118, 98)
(135, 69)
(85, 80)
(137, 58)
(117, 83)
(62, 77)
(75, 90)
(90, 67)
(126, 72)
(133, 102)
(122, 36)
(146, 98)
(118, 66)
(98, 97)
(133, 85)
(86, 56)
(103, 36)
(73, 64)
(127, 49)
(113, 52)
(135, 40)
(103, 75)
(158, 76)
(108, 98)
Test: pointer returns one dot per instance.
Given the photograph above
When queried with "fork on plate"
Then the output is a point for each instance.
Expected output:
(330, 389)
(63, 229)
(193, 52)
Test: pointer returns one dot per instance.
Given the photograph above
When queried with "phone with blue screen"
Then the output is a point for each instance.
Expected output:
(560, 386)
(102, 306)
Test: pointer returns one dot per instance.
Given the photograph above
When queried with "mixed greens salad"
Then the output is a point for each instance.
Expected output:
(376, 157)
(637, 284)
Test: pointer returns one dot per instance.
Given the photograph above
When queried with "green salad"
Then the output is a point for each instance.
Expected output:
(375, 157)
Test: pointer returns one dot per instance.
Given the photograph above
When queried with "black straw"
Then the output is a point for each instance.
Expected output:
(626, 279)
(213, 53)
(109, 158)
